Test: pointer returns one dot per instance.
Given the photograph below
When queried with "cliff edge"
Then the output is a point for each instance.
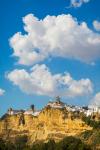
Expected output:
(50, 123)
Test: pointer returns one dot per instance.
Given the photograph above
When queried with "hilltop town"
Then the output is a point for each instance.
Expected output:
(57, 104)
(55, 121)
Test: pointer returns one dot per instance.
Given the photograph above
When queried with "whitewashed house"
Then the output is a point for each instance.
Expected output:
(56, 104)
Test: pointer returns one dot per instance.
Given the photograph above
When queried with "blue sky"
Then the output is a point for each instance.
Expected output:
(11, 14)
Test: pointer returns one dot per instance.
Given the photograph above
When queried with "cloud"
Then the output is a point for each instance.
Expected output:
(78, 3)
(55, 36)
(40, 81)
(95, 100)
(96, 25)
(2, 92)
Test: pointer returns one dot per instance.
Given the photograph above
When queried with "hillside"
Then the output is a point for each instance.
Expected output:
(51, 123)
(57, 121)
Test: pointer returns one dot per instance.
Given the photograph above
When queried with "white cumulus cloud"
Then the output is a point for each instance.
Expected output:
(96, 25)
(2, 92)
(40, 81)
(78, 3)
(55, 36)
(95, 100)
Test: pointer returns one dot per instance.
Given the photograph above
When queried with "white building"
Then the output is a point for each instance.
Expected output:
(30, 112)
(14, 112)
(56, 104)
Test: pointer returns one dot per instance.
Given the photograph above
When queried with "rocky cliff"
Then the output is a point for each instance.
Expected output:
(50, 123)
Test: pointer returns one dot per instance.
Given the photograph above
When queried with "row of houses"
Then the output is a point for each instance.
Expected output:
(57, 104)
(87, 110)
(30, 111)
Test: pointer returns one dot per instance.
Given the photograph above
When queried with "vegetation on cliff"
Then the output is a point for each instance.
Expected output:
(91, 122)
(92, 138)
(68, 143)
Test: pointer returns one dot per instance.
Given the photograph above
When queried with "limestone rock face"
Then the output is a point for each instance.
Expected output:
(50, 123)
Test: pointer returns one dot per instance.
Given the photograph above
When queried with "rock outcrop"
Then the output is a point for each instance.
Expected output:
(50, 123)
